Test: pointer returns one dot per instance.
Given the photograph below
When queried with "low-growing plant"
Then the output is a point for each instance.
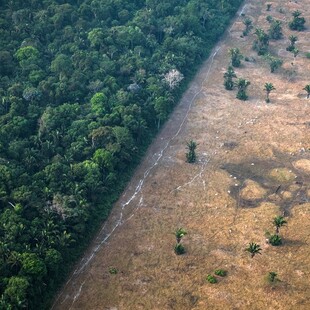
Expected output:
(307, 55)
(179, 249)
(179, 234)
(211, 279)
(275, 240)
(272, 277)
(220, 272)
(113, 270)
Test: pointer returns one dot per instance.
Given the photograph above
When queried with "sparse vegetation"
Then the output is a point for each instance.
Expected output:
(293, 39)
(275, 30)
(274, 62)
(254, 249)
(113, 270)
(275, 240)
(268, 8)
(191, 154)
(272, 277)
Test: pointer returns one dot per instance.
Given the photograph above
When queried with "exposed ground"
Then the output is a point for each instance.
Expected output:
(253, 164)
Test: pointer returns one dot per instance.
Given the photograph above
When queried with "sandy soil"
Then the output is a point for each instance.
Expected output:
(253, 164)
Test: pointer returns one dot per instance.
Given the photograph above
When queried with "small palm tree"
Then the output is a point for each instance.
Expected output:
(179, 234)
(236, 57)
(253, 248)
(268, 88)
(228, 78)
(278, 222)
(191, 154)
(307, 89)
(242, 85)
(248, 26)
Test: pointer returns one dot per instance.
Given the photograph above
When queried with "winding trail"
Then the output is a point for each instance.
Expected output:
(132, 199)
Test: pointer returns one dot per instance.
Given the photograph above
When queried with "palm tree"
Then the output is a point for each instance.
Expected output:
(307, 89)
(236, 57)
(268, 88)
(242, 84)
(278, 222)
(248, 26)
(228, 78)
(293, 39)
(191, 155)
(253, 248)
(179, 234)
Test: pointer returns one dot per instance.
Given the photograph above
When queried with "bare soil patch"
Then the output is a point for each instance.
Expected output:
(253, 164)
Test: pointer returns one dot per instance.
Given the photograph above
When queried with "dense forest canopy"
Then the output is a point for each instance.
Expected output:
(84, 86)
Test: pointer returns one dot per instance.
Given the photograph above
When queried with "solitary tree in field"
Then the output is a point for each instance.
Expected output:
(236, 57)
(191, 154)
(228, 78)
(307, 89)
(268, 88)
(253, 248)
(298, 23)
(242, 85)
(278, 222)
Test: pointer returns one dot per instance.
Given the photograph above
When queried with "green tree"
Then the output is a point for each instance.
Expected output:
(268, 88)
(242, 85)
(248, 26)
(179, 234)
(307, 89)
(278, 222)
(293, 39)
(191, 154)
(236, 57)
(261, 43)
(274, 62)
(16, 292)
(229, 75)
(275, 30)
(298, 23)
(253, 248)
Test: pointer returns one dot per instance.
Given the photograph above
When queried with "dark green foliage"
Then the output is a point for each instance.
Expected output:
(275, 240)
(113, 270)
(211, 279)
(307, 89)
(253, 248)
(84, 86)
(298, 23)
(248, 26)
(274, 62)
(179, 249)
(272, 277)
(268, 6)
(278, 222)
(275, 30)
(229, 75)
(293, 39)
(191, 154)
(242, 85)
(236, 57)
(308, 55)
(268, 88)
(179, 234)
(261, 43)
(220, 272)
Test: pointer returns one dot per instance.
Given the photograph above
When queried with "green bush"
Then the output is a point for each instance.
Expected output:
(308, 55)
(113, 270)
(275, 240)
(179, 249)
(220, 272)
(211, 279)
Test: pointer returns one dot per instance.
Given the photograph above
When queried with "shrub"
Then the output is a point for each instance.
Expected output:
(113, 270)
(308, 55)
(220, 272)
(272, 277)
(211, 279)
(275, 240)
(179, 249)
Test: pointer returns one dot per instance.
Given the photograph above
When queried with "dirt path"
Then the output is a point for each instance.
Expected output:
(246, 151)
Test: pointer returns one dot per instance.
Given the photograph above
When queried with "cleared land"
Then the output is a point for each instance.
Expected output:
(253, 164)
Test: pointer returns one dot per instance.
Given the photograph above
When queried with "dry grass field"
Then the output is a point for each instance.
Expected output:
(253, 164)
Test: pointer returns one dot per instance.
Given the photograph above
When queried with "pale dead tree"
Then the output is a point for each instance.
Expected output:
(173, 78)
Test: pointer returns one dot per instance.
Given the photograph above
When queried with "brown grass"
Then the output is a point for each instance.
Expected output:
(253, 164)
